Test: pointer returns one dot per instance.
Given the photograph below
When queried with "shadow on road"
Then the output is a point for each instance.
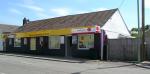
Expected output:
(104, 68)
(51, 58)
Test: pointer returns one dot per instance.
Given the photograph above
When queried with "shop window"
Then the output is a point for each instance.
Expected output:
(74, 39)
(10, 41)
(33, 44)
(54, 42)
(85, 41)
(41, 41)
(62, 40)
(17, 42)
(25, 41)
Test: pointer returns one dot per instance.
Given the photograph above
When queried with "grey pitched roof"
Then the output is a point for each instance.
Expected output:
(7, 28)
(86, 19)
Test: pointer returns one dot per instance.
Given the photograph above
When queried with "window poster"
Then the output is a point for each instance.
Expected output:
(85, 41)
(41, 41)
(10, 41)
(54, 42)
(17, 42)
(74, 39)
(25, 41)
(62, 40)
(33, 44)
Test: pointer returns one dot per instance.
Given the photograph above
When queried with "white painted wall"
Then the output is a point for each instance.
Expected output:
(116, 26)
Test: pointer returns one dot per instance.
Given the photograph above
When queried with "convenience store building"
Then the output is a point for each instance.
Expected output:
(81, 35)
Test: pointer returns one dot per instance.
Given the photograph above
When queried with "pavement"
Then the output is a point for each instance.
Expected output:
(145, 64)
(30, 64)
(51, 58)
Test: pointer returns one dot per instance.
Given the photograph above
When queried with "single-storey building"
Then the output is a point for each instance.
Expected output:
(5, 29)
(81, 35)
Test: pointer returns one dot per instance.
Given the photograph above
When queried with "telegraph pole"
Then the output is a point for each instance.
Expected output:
(143, 30)
(139, 37)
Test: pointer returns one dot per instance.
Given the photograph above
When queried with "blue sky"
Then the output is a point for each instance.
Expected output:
(13, 11)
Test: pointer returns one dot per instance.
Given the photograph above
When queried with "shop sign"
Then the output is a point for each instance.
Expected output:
(95, 29)
(11, 36)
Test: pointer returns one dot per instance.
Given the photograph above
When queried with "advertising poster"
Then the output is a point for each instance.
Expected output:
(54, 42)
(85, 41)
(33, 44)
(74, 39)
(62, 40)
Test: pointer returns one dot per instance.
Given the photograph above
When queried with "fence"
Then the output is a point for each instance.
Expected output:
(126, 49)
(123, 49)
(148, 48)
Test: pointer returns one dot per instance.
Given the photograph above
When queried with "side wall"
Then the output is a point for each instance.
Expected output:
(116, 27)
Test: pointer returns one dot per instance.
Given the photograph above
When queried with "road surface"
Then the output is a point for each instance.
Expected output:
(23, 65)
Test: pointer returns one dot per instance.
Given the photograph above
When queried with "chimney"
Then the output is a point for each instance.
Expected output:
(25, 21)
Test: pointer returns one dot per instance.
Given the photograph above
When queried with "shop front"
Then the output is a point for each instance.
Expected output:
(82, 42)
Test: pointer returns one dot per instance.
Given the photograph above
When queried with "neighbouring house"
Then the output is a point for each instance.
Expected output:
(5, 29)
(80, 35)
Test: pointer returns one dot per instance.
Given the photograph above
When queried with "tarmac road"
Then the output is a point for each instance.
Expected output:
(12, 64)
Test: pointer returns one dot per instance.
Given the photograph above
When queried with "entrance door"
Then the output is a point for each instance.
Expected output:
(68, 46)
(33, 44)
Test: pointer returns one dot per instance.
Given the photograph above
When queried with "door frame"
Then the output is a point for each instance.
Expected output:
(68, 43)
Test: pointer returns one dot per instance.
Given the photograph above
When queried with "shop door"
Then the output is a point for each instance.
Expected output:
(33, 44)
(68, 46)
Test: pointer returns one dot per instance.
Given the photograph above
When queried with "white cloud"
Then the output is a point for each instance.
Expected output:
(33, 7)
(67, 11)
(61, 11)
(147, 3)
(15, 11)
(30, 4)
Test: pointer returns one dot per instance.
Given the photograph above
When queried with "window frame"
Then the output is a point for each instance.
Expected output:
(50, 42)
(41, 39)
(87, 48)
(10, 41)
(25, 41)
(15, 42)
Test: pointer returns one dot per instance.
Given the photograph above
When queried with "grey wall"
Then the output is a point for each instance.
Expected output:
(126, 49)
(123, 49)
(148, 48)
